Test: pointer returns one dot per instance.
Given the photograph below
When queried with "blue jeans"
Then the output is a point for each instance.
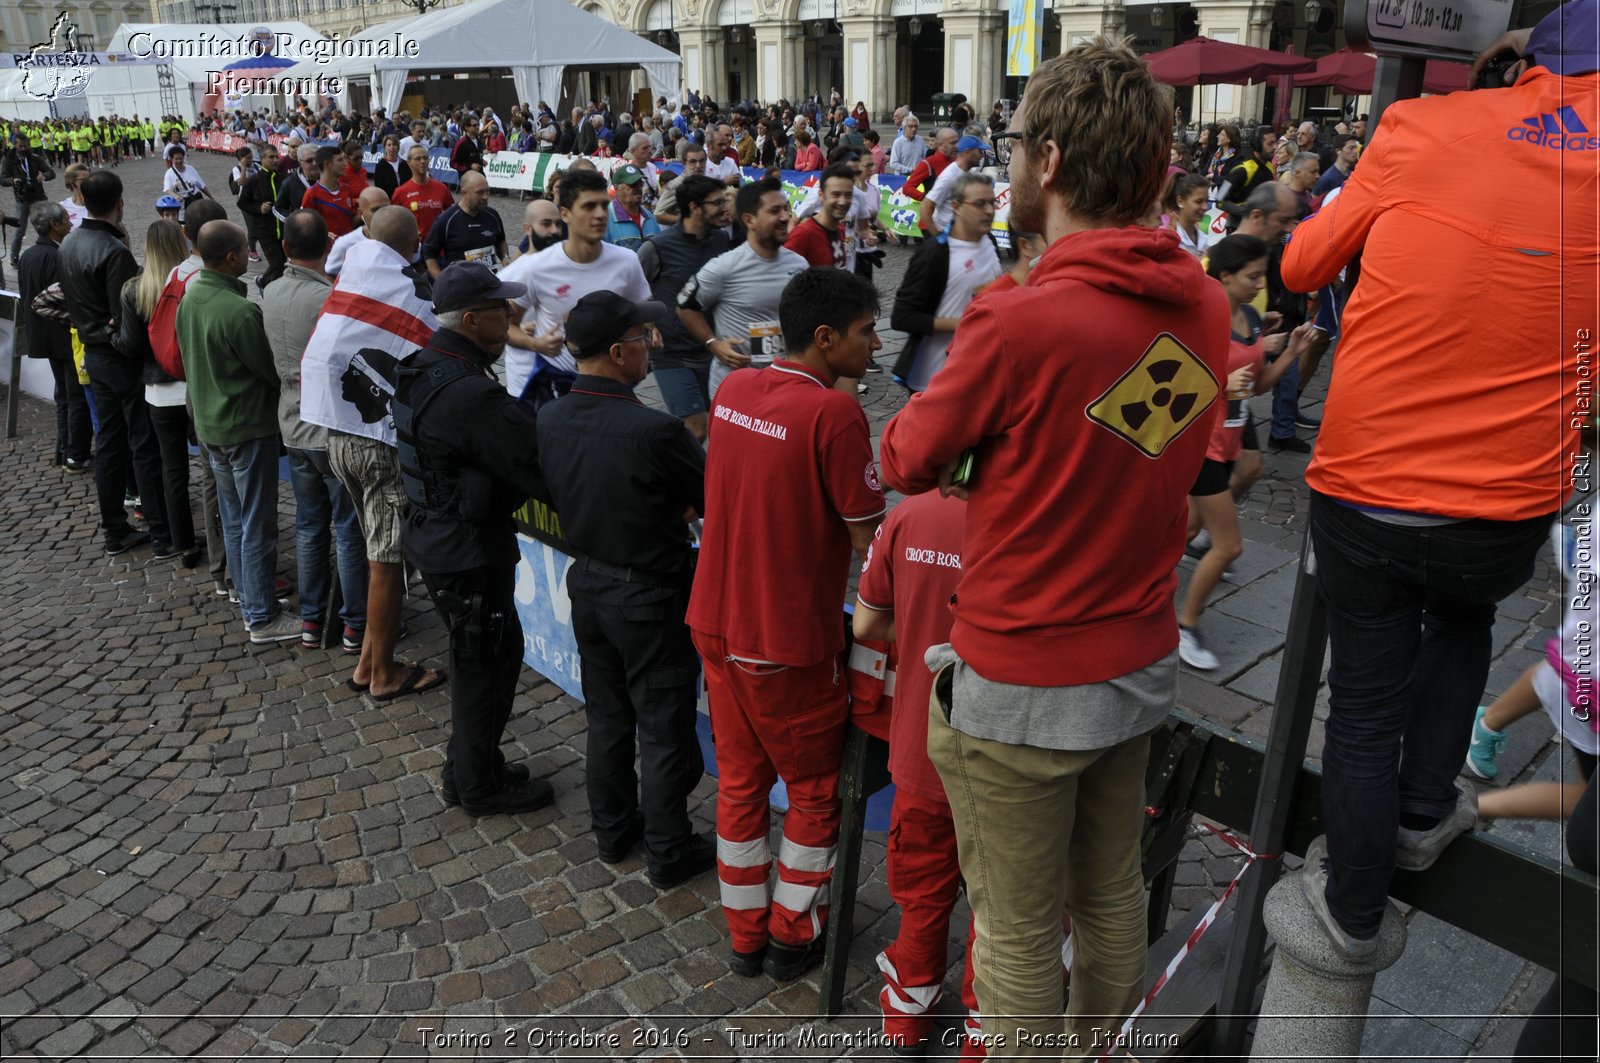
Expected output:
(247, 497)
(1286, 401)
(322, 513)
(1409, 618)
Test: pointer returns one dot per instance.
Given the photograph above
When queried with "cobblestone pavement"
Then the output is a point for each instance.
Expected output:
(211, 850)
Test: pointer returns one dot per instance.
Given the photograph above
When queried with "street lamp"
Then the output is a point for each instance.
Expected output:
(1313, 11)
(217, 10)
(1158, 15)
(915, 27)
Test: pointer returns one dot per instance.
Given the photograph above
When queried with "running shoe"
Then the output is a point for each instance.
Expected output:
(1485, 747)
(1193, 652)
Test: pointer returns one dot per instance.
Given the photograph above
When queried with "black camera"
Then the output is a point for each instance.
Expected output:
(1496, 73)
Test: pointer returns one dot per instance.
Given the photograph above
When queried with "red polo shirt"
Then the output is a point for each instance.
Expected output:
(788, 467)
(912, 572)
(426, 202)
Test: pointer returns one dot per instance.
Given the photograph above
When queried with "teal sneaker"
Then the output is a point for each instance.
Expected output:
(1485, 747)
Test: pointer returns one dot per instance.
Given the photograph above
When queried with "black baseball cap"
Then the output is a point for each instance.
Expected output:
(602, 318)
(467, 284)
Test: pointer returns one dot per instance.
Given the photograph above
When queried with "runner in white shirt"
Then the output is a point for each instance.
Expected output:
(559, 276)
(936, 216)
(973, 263)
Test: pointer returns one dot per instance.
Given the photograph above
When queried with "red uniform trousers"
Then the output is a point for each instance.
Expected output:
(924, 880)
(770, 722)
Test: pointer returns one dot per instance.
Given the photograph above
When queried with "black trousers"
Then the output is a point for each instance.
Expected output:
(639, 671)
(74, 431)
(125, 432)
(485, 662)
(171, 425)
(266, 234)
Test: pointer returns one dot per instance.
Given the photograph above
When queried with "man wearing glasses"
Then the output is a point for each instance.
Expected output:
(943, 277)
(468, 460)
(626, 480)
(1083, 403)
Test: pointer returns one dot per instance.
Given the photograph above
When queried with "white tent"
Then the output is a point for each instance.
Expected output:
(537, 39)
(135, 89)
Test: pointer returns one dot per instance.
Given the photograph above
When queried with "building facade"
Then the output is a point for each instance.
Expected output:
(881, 52)
(24, 23)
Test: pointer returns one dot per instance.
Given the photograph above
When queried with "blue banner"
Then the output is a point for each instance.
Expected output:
(1024, 28)
(438, 165)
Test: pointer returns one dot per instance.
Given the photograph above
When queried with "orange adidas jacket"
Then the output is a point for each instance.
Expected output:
(1468, 351)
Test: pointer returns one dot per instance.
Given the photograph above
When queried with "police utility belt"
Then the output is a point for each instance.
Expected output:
(633, 575)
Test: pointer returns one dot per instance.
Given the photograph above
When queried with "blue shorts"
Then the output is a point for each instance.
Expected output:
(686, 389)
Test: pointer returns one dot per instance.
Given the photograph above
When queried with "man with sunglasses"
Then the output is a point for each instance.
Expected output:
(468, 460)
(626, 480)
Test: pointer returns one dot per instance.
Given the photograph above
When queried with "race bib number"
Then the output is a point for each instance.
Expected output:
(484, 255)
(766, 342)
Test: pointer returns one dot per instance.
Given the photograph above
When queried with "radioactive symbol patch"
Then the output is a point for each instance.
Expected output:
(1163, 394)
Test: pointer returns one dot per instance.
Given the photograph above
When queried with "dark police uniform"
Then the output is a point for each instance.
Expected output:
(468, 460)
(621, 476)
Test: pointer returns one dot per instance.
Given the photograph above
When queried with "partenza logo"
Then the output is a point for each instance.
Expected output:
(1561, 131)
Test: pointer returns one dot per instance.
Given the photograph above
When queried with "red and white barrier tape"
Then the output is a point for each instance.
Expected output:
(1194, 937)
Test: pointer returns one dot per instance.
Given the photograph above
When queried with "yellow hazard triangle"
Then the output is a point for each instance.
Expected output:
(1164, 393)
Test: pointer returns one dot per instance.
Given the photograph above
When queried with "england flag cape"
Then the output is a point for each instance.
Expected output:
(375, 317)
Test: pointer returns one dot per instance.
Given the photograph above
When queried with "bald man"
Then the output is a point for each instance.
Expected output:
(541, 226)
(469, 231)
(371, 200)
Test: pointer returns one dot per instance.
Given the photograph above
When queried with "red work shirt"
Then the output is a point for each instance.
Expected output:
(336, 208)
(912, 572)
(426, 202)
(788, 467)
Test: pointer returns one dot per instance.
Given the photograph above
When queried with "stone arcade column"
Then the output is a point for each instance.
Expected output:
(974, 57)
(1082, 19)
(701, 50)
(869, 62)
(1237, 22)
(775, 74)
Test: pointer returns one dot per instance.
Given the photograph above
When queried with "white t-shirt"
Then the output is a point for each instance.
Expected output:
(972, 265)
(407, 143)
(722, 169)
(940, 195)
(555, 284)
(340, 248)
(739, 292)
(1200, 244)
(75, 212)
(182, 184)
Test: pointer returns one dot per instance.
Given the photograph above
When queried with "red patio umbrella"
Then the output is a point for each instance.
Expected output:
(1350, 72)
(1203, 61)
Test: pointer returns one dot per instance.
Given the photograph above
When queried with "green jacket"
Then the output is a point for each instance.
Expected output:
(233, 383)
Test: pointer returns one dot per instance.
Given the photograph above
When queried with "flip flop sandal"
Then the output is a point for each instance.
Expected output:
(415, 683)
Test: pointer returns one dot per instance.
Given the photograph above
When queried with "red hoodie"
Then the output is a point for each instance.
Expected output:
(1089, 395)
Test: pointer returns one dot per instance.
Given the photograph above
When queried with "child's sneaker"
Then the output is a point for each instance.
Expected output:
(1485, 747)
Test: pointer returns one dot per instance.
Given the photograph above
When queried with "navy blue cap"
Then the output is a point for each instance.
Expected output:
(463, 285)
(1567, 41)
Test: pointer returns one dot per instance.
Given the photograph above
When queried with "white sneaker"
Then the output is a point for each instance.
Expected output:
(280, 628)
(1192, 652)
(283, 603)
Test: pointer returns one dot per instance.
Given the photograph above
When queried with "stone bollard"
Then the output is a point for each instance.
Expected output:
(1316, 1001)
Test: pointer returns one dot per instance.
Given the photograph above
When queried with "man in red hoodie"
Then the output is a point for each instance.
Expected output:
(1086, 397)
